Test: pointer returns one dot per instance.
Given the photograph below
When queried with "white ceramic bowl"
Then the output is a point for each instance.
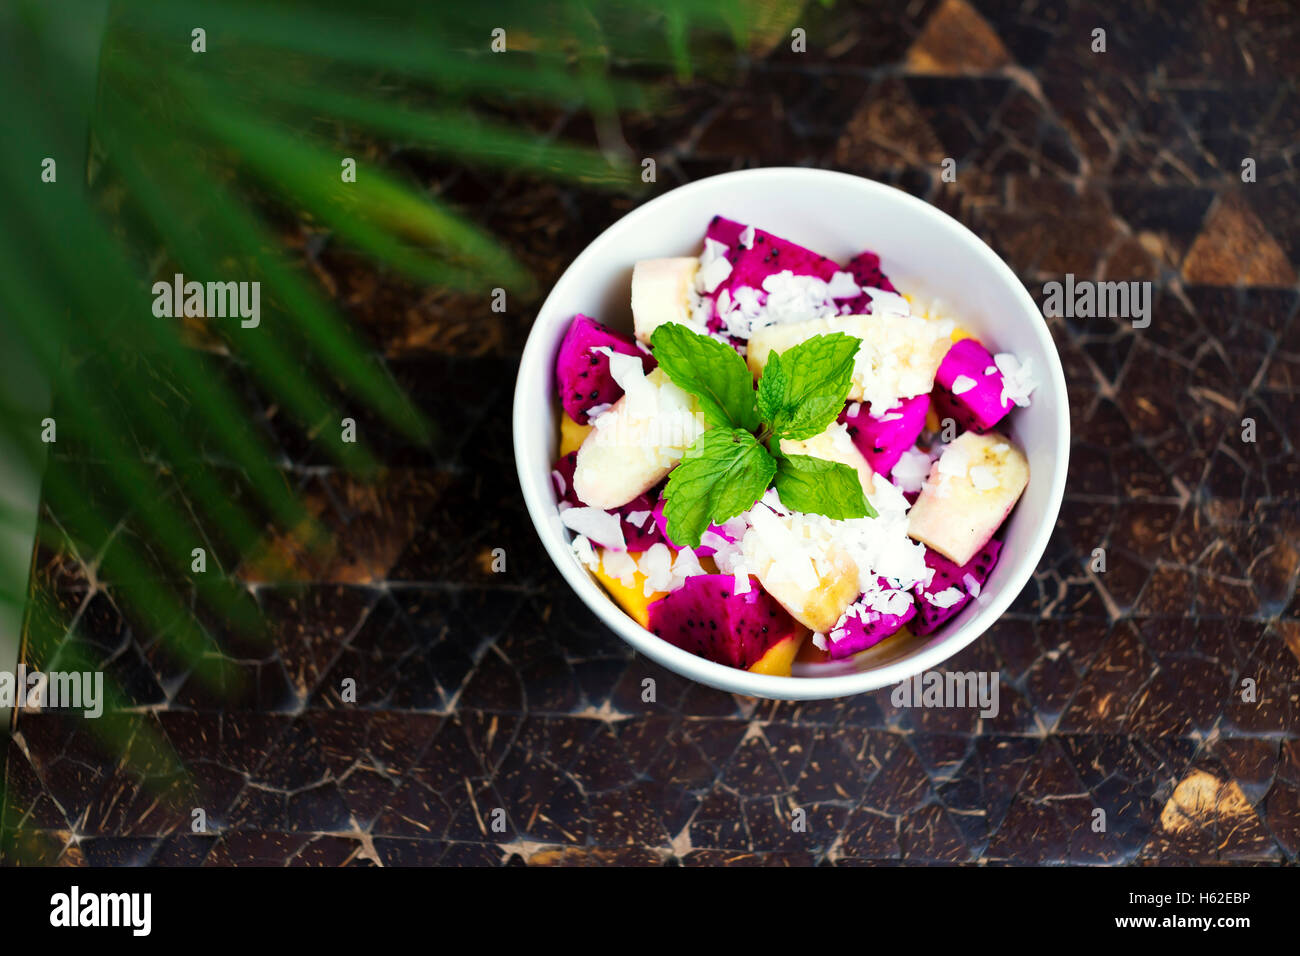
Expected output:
(922, 250)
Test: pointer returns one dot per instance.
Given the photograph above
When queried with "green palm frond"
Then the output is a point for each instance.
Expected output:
(176, 161)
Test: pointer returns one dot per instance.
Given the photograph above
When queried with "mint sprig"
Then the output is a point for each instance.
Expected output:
(730, 465)
(803, 389)
(721, 475)
(711, 371)
(830, 488)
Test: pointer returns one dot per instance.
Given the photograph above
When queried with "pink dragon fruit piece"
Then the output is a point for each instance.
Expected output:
(704, 550)
(865, 269)
(948, 575)
(882, 443)
(636, 537)
(867, 631)
(767, 256)
(705, 616)
(581, 375)
(976, 403)
(640, 537)
(562, 478)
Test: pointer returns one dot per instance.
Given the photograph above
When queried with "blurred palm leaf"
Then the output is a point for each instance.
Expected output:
(171, 160)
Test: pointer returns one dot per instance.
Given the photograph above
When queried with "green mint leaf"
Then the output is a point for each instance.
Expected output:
(722, 474)
(821, 487)
(711, 371)
(771, 389)
(809, 386)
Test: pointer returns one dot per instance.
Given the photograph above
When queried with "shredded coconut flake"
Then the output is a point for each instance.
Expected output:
(714, 267)
(963, 384)
(596, 524)
(685, 565)
(1018, 379)
(945, 598)
(629, 373)
(656, 563)
(888, 303)
(954, 462)
(747, 237)
(843, 286)
(620, 565)
(742, 580)
(584, 552)
(910, 472)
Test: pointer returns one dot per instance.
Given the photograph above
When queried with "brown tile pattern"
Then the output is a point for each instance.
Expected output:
(492, 720)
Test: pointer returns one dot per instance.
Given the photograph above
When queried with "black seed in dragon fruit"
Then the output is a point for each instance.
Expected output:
(949, 575)
(581, 375)
(967, 391)
(882, 442)
(705, 617)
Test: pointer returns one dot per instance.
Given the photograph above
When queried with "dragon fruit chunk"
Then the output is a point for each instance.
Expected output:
(704, 550)
(640, 537)
(581, 375)
(949, 575)
(705, 617)
(967, 392)
(865, 269)
(562, 478)
(636, 537)
(767, 256)
(882, 443)
(870, 629)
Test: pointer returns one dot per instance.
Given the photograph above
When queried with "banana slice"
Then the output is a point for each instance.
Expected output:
(898, 357)
(970, 491)
(637, 442)
(808, 575)
(662, 292)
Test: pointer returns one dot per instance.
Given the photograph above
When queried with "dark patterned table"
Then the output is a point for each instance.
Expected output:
(480, 691)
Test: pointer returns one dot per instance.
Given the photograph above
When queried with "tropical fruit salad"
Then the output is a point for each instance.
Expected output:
(790, 460)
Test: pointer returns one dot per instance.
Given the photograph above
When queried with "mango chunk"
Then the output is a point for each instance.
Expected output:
(780, 656)
(572, 434)
(633, 599)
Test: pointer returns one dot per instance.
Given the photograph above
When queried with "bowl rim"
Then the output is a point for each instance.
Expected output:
(536, 358)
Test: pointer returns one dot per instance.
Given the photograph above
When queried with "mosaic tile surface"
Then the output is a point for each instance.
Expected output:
(480, 692)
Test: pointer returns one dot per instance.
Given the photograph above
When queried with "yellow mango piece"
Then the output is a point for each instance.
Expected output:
(631, 599)
(780, 656)
(958, 333)
(572, 434)
(932, 423)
